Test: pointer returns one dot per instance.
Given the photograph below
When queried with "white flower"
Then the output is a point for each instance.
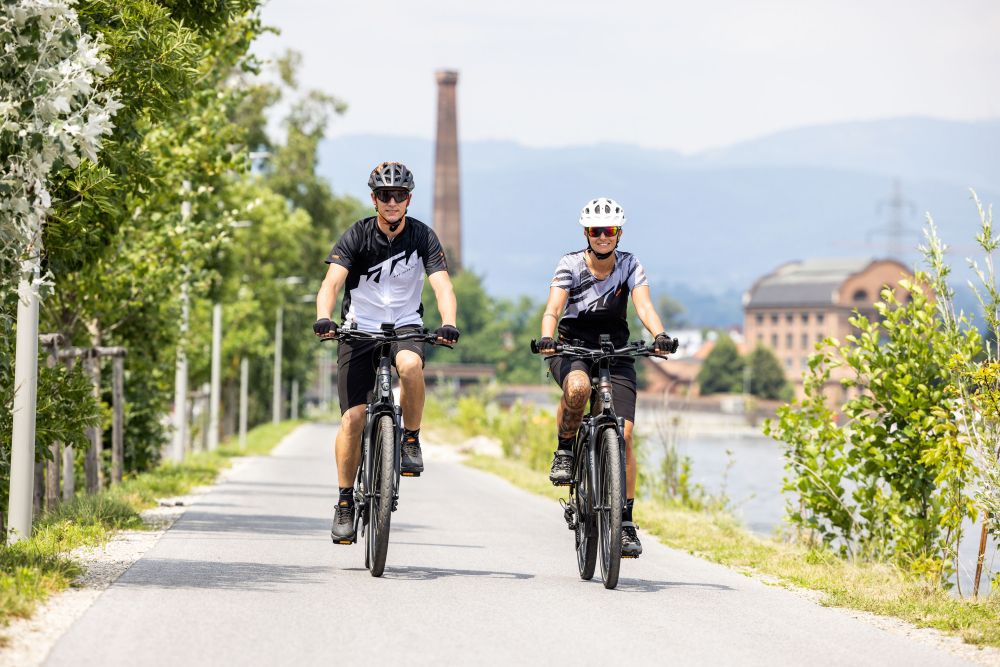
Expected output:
(69, 116)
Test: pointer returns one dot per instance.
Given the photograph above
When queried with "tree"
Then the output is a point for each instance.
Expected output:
(52, 113)
(767, 378)
(671, 312)
(119, 236)
(722, 371)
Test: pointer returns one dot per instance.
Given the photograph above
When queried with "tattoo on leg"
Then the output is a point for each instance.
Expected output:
(573, 403)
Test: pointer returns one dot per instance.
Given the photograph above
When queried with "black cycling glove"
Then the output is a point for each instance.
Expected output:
(449, 333)
(664, 343)
(547, 344)
(325, 327)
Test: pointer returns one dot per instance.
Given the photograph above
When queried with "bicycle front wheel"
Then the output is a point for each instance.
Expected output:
(611, 500)
(586, 522)
(383, 478)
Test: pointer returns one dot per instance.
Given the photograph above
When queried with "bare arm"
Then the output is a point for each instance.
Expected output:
(644, 309)
(326, 298)
(553, 310)
(441, 284)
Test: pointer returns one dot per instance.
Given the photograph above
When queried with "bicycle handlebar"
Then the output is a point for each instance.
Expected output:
(423, 335)
(634, 349)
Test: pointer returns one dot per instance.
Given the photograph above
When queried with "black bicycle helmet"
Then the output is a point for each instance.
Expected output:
(391, 175)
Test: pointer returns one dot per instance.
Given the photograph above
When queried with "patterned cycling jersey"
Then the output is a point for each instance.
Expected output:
(383, 280)
(596, 307)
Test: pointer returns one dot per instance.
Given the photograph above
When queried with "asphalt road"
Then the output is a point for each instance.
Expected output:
(478, 572)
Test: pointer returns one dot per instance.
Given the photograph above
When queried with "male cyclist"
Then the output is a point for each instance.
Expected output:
(590, 292)
(380, 261)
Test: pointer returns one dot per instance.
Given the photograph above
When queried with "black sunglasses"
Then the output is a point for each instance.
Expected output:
(385, 195)
(597, 232)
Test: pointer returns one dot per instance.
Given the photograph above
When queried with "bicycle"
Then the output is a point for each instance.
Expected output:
(376, 488)
(597, 488)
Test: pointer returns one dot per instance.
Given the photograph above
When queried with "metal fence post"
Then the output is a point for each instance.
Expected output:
(92, 460)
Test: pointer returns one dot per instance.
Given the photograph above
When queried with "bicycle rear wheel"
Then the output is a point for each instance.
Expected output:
(586, 522)
(383, 476)
(610, 499)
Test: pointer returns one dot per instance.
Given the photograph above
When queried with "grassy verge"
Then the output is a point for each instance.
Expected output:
(718, 537)
(33, 569)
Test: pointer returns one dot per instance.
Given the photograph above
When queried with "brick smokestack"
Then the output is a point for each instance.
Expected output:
(447, 219)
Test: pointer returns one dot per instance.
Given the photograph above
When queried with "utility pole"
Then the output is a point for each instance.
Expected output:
(244, 378)
(276, 396)
(215, 394)
(277, 403)
(295, 399)
(180, 366)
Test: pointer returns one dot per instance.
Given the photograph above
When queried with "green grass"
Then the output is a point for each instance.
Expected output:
(876, 588)
(33, 569)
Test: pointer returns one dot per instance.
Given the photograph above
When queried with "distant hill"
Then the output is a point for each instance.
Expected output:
(711, 222)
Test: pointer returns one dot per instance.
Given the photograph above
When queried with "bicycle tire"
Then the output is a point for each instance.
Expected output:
(611, 499)
(380, 504)
(586, 523)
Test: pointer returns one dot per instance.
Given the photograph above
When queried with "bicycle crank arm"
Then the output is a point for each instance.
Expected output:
(569, 514)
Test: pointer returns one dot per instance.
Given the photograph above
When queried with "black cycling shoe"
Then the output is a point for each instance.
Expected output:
(631, 546)
(411, 461)
(562, 467)
(342, 531)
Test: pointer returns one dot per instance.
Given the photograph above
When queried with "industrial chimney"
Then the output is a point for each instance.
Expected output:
(447, 219)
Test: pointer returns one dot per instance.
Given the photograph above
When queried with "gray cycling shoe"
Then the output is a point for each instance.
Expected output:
(562, 467)
(342, 531)
(631, 546)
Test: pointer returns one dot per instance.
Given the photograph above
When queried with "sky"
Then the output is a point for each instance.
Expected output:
(686, 76)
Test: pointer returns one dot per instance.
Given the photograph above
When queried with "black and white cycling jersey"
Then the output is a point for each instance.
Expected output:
(385, 278)
(596, 307)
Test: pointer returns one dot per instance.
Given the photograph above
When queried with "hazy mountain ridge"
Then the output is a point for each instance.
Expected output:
(713, 221)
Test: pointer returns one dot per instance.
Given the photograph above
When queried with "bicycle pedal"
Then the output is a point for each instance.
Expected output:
(561, 483)
(409, 474)
(630, 557)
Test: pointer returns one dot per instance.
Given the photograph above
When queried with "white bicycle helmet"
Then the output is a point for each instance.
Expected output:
(602, 212)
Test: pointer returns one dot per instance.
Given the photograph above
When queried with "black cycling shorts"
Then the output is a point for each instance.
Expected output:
(623, 381)
(357, 362)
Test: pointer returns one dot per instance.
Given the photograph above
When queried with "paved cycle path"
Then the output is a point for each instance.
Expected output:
(478, 572)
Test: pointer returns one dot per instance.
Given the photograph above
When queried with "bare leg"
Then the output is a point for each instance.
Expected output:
(576, 390)
(348, 445)
(631, 467)
(411, 387)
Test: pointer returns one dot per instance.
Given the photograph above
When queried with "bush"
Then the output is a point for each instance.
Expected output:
(878, 487)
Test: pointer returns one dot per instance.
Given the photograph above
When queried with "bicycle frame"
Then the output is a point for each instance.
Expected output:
(602, 416)
(382, 403)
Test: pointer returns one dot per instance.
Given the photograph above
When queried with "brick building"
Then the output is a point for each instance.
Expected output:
(800, 303)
